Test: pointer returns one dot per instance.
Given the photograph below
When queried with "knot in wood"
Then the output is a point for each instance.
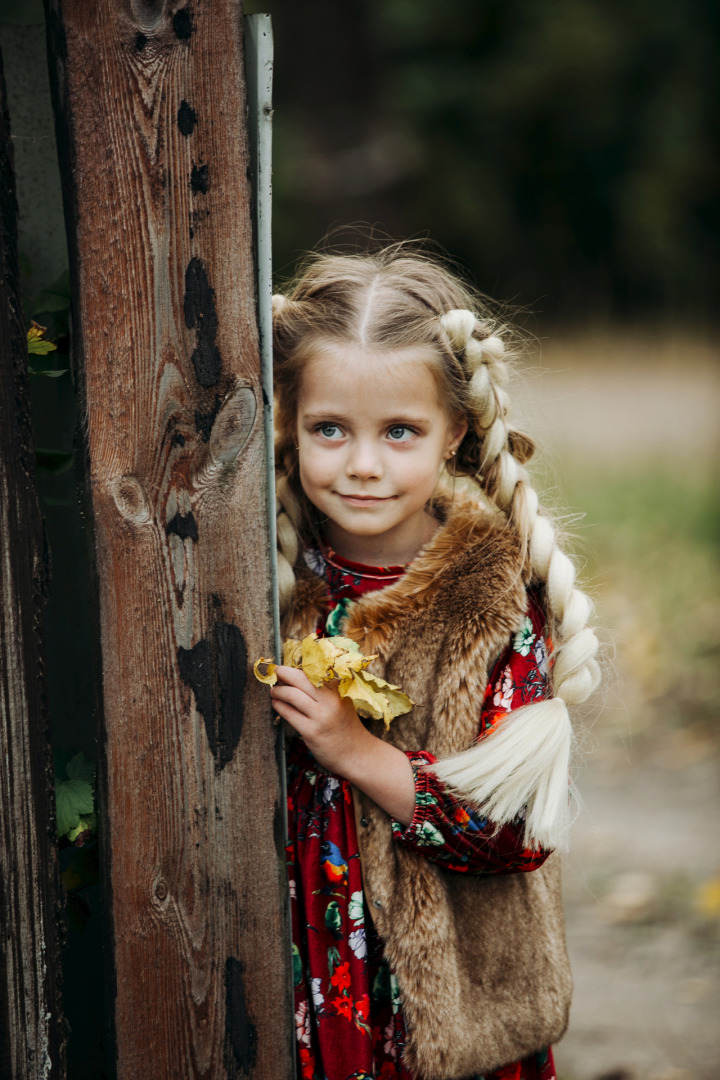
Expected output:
(131, 499)
(148, 14)
(232, 426)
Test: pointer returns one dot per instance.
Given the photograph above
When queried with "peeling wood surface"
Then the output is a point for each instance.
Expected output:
(152, 110)
(32, 1045)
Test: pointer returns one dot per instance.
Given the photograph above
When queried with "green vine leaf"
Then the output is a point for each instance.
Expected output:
(78, 768)
(51, 373)
(74, 798)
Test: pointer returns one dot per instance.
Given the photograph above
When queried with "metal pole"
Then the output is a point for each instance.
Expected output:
(259, 63)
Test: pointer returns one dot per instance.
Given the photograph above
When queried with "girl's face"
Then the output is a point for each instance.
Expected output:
(373, 436)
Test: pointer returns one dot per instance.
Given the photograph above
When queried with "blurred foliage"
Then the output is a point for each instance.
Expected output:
(22, 12)
(653, 540)
(565, 150)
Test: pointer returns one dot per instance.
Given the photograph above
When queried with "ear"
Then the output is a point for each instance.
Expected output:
(456, 433)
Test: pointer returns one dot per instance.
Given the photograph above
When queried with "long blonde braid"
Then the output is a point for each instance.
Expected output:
(523, 763)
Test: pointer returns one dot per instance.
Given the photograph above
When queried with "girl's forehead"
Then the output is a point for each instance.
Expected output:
(403, 372)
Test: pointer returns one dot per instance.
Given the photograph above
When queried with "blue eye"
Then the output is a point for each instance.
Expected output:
(329, 431)
(400, 433)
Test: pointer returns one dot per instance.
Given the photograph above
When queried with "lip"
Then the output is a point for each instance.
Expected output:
(364, 500)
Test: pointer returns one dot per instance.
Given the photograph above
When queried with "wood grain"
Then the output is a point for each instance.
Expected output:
(152, 106)
(32, 1035)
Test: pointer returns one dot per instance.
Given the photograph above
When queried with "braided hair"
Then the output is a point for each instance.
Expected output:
(392, 299)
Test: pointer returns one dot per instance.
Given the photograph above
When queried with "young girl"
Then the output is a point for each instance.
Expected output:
(428, 936)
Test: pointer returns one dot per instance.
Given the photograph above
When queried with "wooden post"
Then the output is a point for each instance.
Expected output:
(151, 107)
(32, 1037)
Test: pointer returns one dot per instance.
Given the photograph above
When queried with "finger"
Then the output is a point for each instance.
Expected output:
(296, 719)
(293, 695)
(291, 676)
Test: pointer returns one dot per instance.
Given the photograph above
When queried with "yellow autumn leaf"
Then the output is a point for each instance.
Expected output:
(338, 658)
(35, 342)
(292, 653)
(366, 702)
(397, 703)
(348, 645)
(351, 660)
(374, 697)
(268, 676)
(318, 659)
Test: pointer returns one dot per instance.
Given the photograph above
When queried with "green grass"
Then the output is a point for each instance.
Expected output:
(651, 541)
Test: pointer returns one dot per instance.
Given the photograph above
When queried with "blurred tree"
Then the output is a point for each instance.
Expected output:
(567, 151)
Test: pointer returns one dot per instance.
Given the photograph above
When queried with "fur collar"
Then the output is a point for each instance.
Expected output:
(472, 543)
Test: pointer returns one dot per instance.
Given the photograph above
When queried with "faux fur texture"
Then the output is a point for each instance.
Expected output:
(480, 960)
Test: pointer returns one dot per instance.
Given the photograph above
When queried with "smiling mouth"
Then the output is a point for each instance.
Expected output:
(365, 500)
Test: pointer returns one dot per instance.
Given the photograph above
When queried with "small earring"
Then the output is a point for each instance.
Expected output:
(297, 447)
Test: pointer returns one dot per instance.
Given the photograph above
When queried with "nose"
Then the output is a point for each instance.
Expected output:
(364, 461)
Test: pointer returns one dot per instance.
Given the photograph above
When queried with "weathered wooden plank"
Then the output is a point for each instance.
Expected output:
(32, 1037)
(152, 103)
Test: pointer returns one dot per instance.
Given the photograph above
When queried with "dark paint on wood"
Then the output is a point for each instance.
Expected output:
(140, 42)
(201, 316)
(200, 179)
(186, 118)
(240, 1033)
(183, 24)
(216, 672)
(184, 526)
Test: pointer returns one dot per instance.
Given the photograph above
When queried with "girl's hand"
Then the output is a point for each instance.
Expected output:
(331, 728)
(337, 737)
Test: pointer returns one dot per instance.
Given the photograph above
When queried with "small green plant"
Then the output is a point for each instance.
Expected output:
(75, 798)
(77, 825)
(38, 345)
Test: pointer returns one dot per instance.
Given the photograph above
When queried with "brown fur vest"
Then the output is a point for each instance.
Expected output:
(480, 961)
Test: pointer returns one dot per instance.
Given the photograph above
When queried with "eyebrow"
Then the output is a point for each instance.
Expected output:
(406, 418)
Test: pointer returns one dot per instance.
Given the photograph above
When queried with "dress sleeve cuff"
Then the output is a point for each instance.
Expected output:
(424, 800)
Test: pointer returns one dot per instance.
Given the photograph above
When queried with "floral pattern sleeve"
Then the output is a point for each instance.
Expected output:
(452, 833)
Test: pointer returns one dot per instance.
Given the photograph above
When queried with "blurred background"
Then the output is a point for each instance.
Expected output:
(566, 155)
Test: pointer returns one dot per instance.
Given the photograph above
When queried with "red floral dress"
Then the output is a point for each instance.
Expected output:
(348, 1008)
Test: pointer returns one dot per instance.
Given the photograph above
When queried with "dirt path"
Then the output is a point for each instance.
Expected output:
(644, 956)
(642, 881)
(605, 397)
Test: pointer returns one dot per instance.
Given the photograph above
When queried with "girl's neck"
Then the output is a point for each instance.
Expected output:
(394, 550)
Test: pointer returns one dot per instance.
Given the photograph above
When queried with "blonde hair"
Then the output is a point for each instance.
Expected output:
(399, 297)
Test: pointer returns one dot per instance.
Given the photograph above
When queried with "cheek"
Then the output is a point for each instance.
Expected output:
(420, 475)
(314, 468)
